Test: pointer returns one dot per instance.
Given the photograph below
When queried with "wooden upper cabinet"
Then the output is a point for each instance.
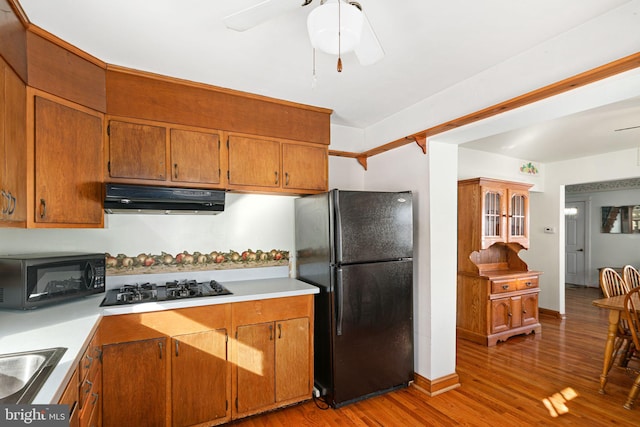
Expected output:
(305, 167)
(276, 166)
(492, 211)
(68, 164)
(137, 151)
(142, 152)
(254, 162)
(195, 156)
(13, 194)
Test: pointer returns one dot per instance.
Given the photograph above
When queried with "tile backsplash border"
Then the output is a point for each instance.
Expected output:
(123, 264)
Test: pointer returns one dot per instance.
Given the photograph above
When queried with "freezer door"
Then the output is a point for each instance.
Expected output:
(372, 226)
(373, 333)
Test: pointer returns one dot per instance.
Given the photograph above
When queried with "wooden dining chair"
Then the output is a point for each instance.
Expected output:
(631, 276)
(630, 314)
(612, 284)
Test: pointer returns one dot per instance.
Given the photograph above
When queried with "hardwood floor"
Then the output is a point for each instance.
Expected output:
(502, 385)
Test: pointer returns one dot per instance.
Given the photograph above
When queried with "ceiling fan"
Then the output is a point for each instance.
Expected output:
(356, 33)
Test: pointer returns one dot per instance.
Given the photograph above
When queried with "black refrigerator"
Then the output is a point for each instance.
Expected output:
(357, 247)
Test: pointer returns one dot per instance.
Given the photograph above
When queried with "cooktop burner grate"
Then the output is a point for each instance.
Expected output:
(177, 289)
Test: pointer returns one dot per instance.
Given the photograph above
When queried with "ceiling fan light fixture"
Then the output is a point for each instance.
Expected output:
(323, 25)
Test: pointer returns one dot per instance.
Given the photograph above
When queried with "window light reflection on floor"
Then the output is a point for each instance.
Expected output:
(555, 403)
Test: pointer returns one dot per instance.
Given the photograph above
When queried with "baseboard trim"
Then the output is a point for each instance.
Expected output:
(437, 386)
(551, 313)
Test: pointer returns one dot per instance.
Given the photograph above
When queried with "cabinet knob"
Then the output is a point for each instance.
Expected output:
(528, 283)
(505, 287)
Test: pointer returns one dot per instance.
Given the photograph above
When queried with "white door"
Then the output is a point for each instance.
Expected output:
(574, 242)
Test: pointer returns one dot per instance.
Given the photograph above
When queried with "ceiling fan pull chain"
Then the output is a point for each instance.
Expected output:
(339, 37)
(314, 79)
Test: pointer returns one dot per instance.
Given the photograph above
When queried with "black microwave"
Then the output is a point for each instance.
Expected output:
(33, 280)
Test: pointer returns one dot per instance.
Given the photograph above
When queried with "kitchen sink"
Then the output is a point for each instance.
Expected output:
(23, 374)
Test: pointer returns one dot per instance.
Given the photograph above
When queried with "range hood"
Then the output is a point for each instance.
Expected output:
(122, 198)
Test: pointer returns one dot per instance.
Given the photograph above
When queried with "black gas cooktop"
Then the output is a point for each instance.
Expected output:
(168, 291)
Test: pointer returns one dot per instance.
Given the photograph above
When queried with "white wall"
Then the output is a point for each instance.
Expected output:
(608, 250)
(249, 221)
(475, 163)
(547, 250)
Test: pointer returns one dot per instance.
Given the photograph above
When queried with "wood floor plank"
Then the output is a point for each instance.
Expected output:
(505, 385)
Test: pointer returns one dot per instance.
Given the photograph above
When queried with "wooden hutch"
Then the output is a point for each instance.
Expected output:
(497, 293)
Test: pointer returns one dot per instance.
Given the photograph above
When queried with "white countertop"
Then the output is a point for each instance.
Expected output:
(72, 324)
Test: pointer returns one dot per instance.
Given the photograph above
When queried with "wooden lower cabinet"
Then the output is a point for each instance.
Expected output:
(135, 383)
(70, 398)
(167, 368)
(199, 378)
(273, 363)
(272, 360)
(493, 309)
(181, 368)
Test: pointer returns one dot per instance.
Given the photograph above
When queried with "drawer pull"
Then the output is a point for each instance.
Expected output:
(270, 332)
(89, 362)
(88, 389)
(505, 287)
(95, 398)
(528, 283)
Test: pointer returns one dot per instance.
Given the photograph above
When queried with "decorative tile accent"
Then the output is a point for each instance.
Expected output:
(122, 264)
(621, 184)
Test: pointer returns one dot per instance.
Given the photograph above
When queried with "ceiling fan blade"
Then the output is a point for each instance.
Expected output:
(369, 51)
(259, 13)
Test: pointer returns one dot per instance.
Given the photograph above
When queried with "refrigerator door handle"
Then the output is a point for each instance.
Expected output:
(339, 303)
(338, 229)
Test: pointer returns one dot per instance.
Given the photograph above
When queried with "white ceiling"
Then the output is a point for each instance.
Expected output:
(430, 45)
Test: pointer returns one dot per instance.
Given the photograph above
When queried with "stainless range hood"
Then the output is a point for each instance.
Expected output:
(122, 198)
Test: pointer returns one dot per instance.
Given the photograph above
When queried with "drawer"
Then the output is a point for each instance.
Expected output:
(91, 411)
(507, 285)
(528, 282)
(91, 358)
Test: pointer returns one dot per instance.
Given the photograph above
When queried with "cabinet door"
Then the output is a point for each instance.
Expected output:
(518, 215)
(255, 364)
(199, 377)
(135, 392)
(15, 152)
(494, 211)
(254, 162)
(68, 165)
(304, 167)
(195, 157)
(506, 313)
(529, 309)
(137, 151)
(292, 359)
